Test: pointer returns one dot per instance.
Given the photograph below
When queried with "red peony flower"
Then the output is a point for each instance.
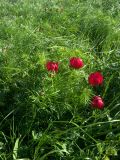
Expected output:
(52, 66)
(95, 79)
(76, 63)
(97, 102)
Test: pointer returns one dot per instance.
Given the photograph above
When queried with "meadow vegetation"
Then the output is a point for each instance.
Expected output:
(46, 115)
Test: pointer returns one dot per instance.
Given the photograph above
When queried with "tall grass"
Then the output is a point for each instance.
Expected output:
(49, 117)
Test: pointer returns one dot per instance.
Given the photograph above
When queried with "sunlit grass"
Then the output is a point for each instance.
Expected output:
(48, 116)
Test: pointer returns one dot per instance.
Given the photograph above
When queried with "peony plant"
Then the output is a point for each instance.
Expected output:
(94, 79)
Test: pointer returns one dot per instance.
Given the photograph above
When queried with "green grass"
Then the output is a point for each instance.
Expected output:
(50, 118)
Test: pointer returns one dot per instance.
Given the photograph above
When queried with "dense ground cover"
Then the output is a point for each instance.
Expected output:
(47, 115)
